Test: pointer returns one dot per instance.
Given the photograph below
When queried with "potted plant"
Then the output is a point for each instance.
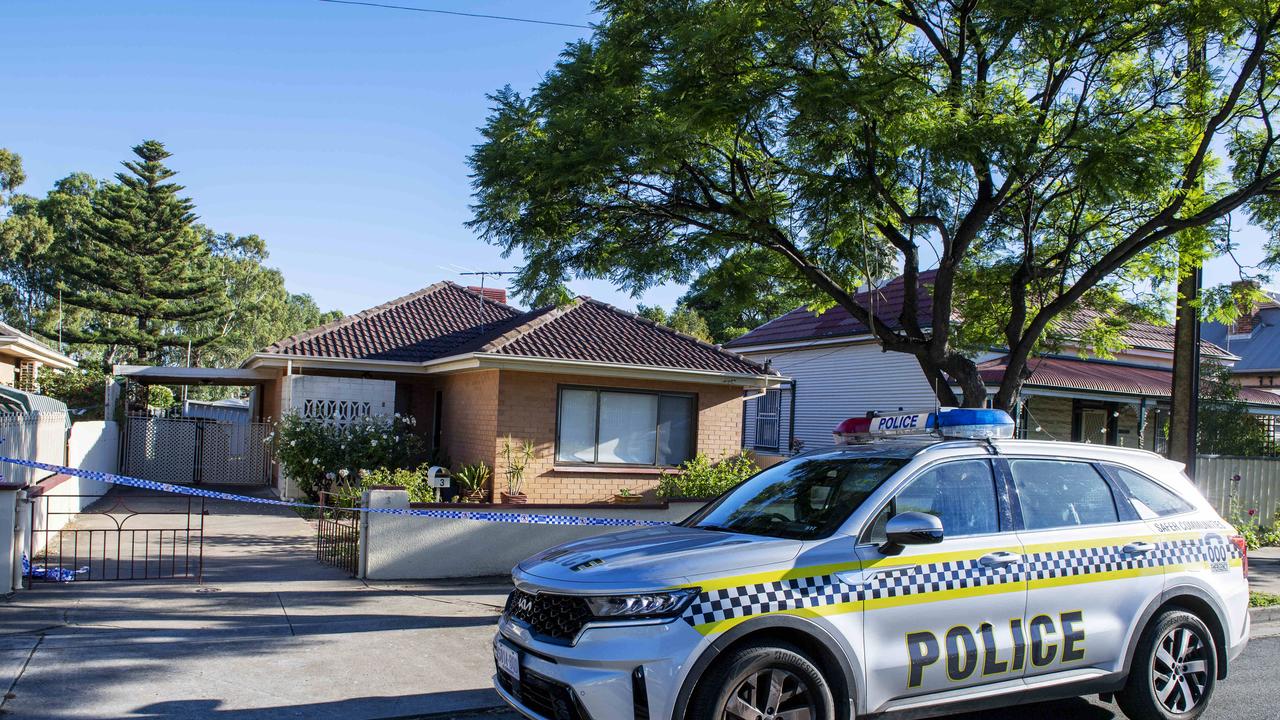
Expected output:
(472, 480)
(518, 458)
(626, 497)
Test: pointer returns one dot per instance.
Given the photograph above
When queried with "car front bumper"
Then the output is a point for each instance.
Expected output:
(612, 672)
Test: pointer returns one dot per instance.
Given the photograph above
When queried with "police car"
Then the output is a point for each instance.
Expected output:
(929, 565)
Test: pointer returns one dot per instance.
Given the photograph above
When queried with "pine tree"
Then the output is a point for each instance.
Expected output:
(141, 260)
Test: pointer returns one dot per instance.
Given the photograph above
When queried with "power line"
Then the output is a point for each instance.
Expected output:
(454, 12)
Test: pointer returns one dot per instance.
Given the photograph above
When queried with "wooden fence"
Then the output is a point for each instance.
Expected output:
(1258, 487)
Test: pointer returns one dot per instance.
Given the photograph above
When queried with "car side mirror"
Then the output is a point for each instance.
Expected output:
(911, 528)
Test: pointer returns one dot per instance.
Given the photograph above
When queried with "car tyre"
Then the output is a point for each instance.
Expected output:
(1174, 670)
(763, 681)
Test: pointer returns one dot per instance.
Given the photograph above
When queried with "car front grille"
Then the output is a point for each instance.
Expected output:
(550, 617)
(544, 696)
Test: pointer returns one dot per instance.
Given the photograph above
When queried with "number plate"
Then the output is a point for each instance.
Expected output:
(507, 658)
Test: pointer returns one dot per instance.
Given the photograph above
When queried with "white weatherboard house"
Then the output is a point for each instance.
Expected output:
(838, 370)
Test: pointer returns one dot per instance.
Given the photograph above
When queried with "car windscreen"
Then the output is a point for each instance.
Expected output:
(804, 499)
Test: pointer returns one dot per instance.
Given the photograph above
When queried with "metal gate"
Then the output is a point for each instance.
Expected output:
(337, 534)
(184, 451)
(137, 535)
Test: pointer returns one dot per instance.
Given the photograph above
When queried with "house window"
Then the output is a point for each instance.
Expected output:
(624, 427)
(768, 414)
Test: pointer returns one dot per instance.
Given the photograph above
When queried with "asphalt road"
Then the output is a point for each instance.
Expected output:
(1252, 692)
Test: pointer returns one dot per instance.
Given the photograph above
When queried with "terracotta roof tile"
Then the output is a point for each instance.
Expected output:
(421, 326)
(445, 320)
(803, 324)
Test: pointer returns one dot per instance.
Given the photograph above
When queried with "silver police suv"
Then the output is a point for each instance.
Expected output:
(899, 576)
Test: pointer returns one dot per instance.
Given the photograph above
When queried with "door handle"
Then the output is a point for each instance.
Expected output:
(1138, 548)
(999, 559)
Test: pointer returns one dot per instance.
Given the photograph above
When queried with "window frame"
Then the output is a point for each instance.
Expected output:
(1007, 521)
(1125, 511)
(776, 416)
(1110, 470)
(598, 389)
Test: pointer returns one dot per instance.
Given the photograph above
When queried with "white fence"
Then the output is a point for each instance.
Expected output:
(1258, 488)
(407, 547)
(92, 446)
(39, 436)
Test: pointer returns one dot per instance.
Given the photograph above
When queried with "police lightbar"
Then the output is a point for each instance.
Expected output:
(967, 423)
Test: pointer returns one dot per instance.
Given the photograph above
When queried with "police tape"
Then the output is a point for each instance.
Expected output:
(439, 514)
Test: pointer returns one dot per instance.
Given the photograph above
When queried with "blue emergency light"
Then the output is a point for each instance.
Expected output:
(968, 423)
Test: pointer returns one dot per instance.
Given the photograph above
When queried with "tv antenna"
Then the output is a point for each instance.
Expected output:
(485, 274)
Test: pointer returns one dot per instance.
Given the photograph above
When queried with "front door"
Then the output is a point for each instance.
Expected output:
(1090, 568)
(945, 616)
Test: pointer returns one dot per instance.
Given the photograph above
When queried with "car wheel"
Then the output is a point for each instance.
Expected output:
(1174, 670)
(763, 681)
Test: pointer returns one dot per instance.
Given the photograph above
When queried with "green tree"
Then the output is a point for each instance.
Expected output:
(260, 310)
(1040, 156)
(743, 291)
(140, 258)
(82, 389)
(1226, 427)
(11, 175)
(681, 319)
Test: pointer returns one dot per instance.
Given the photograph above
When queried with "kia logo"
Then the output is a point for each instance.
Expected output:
(524, 604)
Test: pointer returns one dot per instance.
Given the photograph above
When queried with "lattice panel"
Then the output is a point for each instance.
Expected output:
(336, 411)
(161, 450)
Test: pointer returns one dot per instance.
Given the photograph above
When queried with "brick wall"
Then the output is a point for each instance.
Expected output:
(470, 417)
(1052, 417)
(527, 410)
(324, 391)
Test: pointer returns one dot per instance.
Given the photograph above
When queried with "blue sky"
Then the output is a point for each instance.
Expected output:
(338, 133)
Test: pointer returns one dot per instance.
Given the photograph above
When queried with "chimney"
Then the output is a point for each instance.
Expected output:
(1243, 324)
(495, 294)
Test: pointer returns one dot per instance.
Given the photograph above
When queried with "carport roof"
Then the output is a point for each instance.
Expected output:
(152, 375)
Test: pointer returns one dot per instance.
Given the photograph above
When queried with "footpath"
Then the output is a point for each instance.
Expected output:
(269, 633)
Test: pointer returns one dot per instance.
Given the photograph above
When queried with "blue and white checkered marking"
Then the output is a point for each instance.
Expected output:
(477, 515)
(823, 590)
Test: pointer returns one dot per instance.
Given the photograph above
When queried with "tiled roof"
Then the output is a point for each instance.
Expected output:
(442, 321)
(804, 324)
(1100, 376)
(421, 326)
(596, 332)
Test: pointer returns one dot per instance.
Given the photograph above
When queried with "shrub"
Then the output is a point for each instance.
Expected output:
(321, 456)
(472, 479)
(701, 478)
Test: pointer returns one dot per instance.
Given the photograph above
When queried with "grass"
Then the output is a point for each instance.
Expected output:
(1261, 599)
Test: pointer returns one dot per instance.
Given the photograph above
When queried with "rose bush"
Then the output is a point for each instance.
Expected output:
(320, 455)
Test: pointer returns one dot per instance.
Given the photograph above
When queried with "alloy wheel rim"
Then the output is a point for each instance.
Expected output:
(1180, 670)
(771, 694)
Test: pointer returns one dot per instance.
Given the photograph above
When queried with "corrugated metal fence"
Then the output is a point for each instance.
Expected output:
(40, 436)
(1259, 486)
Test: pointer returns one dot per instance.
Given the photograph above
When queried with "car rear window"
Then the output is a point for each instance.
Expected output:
(1061, 493)
(1156, 498)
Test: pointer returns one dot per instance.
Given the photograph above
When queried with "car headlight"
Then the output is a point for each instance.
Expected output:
(643, 605)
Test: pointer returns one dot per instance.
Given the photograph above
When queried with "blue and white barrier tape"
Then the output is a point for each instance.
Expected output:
(482, 516)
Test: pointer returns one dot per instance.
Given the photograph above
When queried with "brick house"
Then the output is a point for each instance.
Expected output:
(835, 369)
(608, 399)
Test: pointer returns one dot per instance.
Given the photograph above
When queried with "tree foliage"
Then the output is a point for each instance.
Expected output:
(1225, 425)
(743, 291)
(1042, 157)
(681, 319)
(140, 258)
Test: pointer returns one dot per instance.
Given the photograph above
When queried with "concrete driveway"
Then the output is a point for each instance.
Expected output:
(270, 633)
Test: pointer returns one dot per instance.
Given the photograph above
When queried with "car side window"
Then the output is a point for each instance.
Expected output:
(1151, 498)
(1056, 494)
(962, 494)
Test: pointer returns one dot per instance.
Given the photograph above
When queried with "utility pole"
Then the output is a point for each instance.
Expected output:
(1185, 400)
